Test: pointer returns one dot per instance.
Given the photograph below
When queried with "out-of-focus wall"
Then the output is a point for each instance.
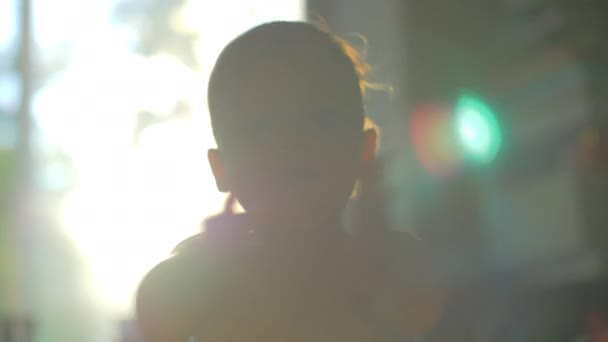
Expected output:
(528, 209)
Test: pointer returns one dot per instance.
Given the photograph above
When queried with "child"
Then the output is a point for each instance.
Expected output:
(286, 104)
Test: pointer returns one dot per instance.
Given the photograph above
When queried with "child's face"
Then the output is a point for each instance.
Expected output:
(294, 154)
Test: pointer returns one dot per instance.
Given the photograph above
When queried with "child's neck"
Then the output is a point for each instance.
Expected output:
(312, 226)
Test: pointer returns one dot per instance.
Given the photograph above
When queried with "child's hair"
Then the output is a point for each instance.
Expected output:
(286, 82)
(284, 40)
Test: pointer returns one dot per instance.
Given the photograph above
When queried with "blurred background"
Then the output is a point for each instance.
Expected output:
(494, 150)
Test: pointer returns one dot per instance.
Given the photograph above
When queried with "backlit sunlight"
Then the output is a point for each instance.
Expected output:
(138, 193)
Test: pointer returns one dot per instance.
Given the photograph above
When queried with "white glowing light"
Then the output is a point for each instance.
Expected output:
(134, 202)
(128, 223)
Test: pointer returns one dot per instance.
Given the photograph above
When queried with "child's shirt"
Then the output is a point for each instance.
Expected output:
(238, 283)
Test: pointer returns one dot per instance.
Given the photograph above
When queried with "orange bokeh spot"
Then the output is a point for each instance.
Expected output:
(435, 144)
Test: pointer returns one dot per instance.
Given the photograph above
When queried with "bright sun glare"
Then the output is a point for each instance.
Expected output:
(134, 202)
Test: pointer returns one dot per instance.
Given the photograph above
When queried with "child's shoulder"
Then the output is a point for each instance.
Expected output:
(161, 298)
(190, 245)
(223, 234)
(179, 286)
(190, 259)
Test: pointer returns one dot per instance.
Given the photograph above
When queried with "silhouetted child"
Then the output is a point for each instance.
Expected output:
(286, 104)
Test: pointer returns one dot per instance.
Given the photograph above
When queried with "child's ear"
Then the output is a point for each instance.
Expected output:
(218, 168)
(368, 152)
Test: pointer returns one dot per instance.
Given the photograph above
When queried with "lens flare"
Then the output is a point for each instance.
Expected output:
(433, 139)
(478, 129)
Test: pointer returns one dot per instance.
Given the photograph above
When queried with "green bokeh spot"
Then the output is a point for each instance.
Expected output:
(478, 129)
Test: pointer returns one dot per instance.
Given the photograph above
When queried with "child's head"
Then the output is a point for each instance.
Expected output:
(287, 113)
